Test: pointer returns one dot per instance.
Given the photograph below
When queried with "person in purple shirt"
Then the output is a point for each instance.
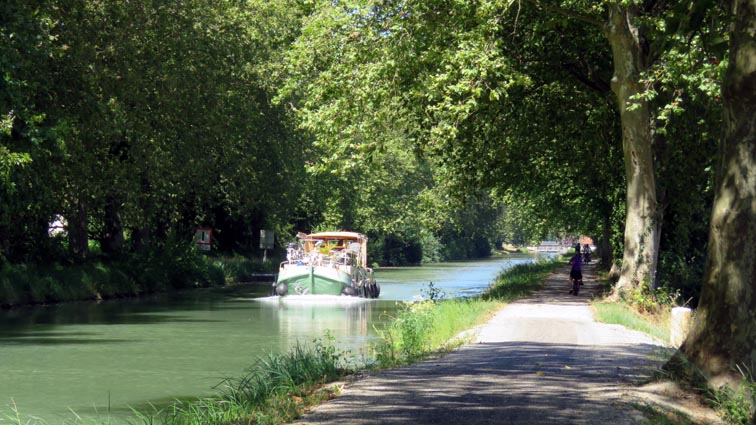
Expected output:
(576, 273)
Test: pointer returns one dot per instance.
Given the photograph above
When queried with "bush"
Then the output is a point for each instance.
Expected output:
(173, 266)
(645, 299)
(239, 268)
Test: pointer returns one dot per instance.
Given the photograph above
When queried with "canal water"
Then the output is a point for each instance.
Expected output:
(103, 359)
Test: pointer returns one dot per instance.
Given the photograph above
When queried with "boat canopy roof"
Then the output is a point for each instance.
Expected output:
(349, 236)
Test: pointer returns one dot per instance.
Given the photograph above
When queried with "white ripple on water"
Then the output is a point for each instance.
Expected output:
(313, 300)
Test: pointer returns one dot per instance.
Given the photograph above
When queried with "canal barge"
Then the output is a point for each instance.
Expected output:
(327, 263)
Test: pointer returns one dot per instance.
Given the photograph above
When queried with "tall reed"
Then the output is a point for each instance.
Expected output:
(275, 389)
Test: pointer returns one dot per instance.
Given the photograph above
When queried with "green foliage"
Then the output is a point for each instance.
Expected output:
(174, 266)
(645, 299)
(432, 247)
(120, 115)
(440, 129)
(737, 406)
(427, 326)
(680, 274)
(29, 284)
(239, 268)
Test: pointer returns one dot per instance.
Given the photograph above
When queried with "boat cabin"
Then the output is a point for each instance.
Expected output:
(330, 248)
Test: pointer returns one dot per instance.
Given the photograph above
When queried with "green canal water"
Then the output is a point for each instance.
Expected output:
(103, 359)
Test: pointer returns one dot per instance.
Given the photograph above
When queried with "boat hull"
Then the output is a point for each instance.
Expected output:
(312, 280)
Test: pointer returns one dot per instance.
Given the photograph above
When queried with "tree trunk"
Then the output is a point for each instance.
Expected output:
(605, 244)
(112, 238)
(78, 233)
(642, 226)
(140, 238)
(724, 330)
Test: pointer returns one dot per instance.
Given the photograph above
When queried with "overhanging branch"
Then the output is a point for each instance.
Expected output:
(565, 12)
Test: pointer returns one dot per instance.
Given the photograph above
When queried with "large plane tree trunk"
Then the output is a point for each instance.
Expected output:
(724, 330)
(642, 225)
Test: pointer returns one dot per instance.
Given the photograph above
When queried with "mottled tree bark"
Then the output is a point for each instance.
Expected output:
(78, 232)
(724, 330)
(642, 225)
(605, 243)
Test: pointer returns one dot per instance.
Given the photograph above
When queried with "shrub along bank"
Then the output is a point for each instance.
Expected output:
(173, 266)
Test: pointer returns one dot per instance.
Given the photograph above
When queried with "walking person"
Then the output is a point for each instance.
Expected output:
(576, 272)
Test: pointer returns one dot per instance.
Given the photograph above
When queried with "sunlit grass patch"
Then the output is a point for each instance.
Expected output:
(521, 280)
(426, 327)
(657, 325)
(432, 325)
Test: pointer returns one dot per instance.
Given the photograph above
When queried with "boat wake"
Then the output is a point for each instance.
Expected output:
(314, 300)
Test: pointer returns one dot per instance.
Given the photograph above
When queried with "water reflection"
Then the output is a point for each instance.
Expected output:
(346, 319)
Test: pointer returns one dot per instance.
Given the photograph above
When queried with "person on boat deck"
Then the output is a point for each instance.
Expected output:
(576, 272)
(338, 251)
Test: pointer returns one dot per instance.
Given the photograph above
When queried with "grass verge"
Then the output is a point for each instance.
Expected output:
(656, 325)
(171, 267)
(430, 326)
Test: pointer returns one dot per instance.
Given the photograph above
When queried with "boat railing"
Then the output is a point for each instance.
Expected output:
(337, 258)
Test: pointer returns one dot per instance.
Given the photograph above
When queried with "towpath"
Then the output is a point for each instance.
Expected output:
(541, 360)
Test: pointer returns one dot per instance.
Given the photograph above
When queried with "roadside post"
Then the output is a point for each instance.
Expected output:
(680, 325)
(203, 238)
(267, 237)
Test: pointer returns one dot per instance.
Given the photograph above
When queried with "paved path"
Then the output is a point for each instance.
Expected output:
(542, 360)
